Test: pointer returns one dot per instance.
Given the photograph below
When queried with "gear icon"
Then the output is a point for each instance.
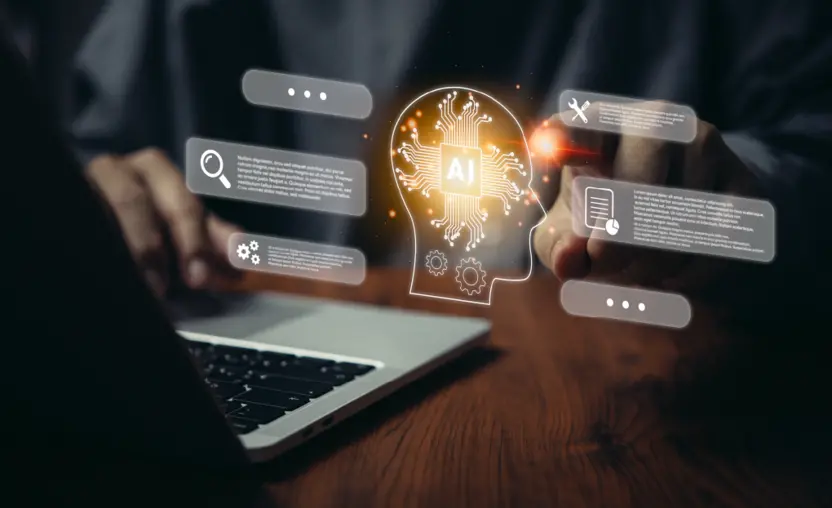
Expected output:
(253, 245)
(470, 276)
(243, 251)
(255, 259)
(436, 262)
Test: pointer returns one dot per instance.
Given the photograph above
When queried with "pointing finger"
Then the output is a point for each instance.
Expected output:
(182, 212)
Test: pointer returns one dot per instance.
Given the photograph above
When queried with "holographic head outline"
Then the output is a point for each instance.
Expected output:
(464, 173)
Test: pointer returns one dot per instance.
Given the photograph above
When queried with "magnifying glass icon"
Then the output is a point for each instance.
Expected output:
(212, 165)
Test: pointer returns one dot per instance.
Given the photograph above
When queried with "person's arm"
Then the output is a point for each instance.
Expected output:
(119, 102)
(770, 110)
(122, 131)
(96, 378)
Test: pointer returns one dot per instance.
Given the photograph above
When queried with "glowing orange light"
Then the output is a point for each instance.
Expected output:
(411, 123)
(403, 128)
(418, 113)
(366, 136)
(545, 142)
(393, 153)
(545, 178)
(430, 211)
(546, 123)
(392, 214)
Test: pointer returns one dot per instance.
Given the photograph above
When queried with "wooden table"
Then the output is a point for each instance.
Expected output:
(564, 411)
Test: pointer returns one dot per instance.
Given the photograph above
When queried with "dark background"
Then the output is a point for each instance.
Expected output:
(49, 32)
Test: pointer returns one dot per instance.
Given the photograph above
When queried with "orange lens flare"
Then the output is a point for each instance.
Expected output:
(545, 142)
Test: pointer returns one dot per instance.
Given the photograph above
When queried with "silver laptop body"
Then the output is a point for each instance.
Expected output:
(401, 345)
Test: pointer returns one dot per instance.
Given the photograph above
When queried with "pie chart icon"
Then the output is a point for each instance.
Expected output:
(612, 227)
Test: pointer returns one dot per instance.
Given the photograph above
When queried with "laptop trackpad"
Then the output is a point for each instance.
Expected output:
(234, 315)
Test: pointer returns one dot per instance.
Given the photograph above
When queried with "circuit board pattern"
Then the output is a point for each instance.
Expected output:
(463, 214)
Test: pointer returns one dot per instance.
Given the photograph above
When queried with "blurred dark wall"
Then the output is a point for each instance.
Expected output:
(64, 24)
(50, 32)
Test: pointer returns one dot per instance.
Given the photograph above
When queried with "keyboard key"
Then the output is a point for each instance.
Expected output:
(287, 401)
(259, 413)
(278, 361)
(242, 425)
(268, 360)
(231, 356)
(228, 374)
(356, 369)
(195, 348)
(322, 375)
(229, 406)
(305, 361)
(201, 352)
(226, 390)
(311, 389)
(305, 371)
(233, 350)
(337, 379)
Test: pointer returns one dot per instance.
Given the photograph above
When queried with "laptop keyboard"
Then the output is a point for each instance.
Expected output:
(254, 388)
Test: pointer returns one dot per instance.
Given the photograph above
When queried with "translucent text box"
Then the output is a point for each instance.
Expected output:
(625, 115)
(303, 93)
(674, 219)
(297, 258)
(276, 177)
(636, 305)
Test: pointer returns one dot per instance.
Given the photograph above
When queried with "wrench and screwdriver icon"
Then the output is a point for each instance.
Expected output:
(579, 110)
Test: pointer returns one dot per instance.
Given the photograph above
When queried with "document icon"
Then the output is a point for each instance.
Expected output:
(599, 209)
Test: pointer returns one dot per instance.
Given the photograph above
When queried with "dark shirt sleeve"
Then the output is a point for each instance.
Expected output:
(119, 104)
(97, 382)
(777, 84)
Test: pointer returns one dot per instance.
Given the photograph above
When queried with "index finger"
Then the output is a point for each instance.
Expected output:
(182, 211)
(129, 199)
(569, 144)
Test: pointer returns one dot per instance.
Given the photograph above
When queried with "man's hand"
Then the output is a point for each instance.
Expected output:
(705, 164)
(162, 221)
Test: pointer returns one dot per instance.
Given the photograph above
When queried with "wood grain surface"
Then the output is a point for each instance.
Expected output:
(573, 412)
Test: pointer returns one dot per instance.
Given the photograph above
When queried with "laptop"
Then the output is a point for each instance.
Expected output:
(285, 368)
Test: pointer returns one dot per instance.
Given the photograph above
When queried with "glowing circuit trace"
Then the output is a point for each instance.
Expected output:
(463, 169)
(472, 174)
